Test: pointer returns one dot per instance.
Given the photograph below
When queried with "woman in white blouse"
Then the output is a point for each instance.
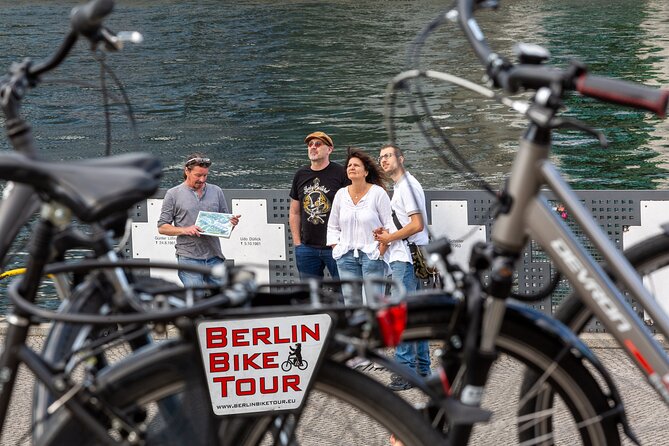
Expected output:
(357, 210)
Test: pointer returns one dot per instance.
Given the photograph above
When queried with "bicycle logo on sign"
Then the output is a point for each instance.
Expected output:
(294, 359)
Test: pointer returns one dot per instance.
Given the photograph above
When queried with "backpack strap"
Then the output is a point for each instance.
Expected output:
(397, 223)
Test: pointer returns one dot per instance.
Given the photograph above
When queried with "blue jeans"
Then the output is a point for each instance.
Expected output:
(351, 267)
(403, 273)
(311, 262)
(190, 279)
(415, 355)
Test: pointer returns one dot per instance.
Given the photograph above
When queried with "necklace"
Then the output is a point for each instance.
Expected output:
(357, 195)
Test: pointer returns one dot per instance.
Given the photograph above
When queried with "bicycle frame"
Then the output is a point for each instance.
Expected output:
(16, 350)
(529, 209)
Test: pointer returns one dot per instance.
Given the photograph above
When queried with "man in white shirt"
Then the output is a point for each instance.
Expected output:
(410, 215)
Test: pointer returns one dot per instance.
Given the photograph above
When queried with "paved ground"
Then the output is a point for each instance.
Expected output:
(647, 414)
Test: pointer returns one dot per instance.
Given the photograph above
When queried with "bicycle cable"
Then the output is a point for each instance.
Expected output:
(464, 168)
(105, 106)
(413, 60)
(99, 56)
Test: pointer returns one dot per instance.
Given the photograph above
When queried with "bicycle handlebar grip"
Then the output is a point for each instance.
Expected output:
(624, 93)
(86, 19)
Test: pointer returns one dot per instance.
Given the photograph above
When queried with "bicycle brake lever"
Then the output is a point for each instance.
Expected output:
(544, 116)
(569, 123)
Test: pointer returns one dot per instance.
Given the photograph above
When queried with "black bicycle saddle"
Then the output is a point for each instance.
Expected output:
(92, 189)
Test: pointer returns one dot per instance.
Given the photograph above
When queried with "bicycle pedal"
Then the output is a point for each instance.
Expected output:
(460, 413)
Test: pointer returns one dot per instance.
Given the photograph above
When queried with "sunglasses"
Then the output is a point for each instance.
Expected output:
(202, 162)
(315, 143)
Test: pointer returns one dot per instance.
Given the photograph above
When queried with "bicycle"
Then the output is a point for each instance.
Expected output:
(146, 360)
(480, 323)
(158, 380)
(518, 332)
(293, 360)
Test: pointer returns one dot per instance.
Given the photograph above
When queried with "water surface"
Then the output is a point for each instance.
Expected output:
(246, 81)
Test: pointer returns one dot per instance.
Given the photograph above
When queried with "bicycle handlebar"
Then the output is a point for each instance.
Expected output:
(85, 20)
(22, 202)
(513, 78)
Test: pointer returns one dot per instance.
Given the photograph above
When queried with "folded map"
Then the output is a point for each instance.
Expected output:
(216, 224)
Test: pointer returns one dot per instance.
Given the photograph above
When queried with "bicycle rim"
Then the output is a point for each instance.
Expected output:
(561, 406)
(347, 407)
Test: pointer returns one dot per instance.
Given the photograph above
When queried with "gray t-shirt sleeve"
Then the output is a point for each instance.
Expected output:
(167, 211)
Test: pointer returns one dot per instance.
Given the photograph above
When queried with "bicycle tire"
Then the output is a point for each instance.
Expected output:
(524, 344)
(338, 394)
(175, 378)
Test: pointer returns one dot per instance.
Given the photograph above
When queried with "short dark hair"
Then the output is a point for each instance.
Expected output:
(398, 151)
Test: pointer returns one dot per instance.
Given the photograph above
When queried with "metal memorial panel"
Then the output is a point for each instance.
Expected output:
(263, 240)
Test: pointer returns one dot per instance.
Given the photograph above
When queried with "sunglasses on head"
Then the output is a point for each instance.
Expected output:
(202, 162)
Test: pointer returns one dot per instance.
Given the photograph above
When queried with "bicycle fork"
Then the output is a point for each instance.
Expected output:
(485, 315)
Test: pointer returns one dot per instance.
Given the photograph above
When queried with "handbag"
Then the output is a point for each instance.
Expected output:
(420, 266)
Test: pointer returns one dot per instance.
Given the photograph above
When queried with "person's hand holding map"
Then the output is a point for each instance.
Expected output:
(216, 224)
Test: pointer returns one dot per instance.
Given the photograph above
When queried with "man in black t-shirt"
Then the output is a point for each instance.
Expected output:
(312, 192)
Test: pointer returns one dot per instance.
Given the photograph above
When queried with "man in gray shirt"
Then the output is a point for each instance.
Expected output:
(181, 206)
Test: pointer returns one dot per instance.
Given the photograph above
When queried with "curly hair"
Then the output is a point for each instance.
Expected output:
(374, 173)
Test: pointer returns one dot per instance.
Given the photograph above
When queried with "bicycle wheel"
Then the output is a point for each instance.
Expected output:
(63, 338)
(650, 258)
(302, 365)
(344, 407)
(168, 400)
(577, 404)
(60, 341)
(286, 365)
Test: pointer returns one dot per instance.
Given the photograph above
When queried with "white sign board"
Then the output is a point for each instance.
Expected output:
(261, 365)
(147, 243)
(253, 242)
(653, 215)
(449, 220)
